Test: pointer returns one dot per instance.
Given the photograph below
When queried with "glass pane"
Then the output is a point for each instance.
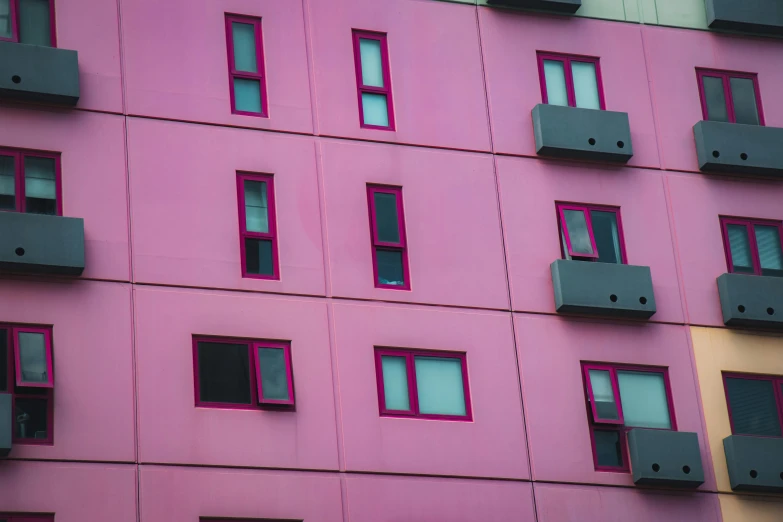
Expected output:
(247, 95)
(554, 75)
(223, 373)
(439, 384)
(32, 357)
(259, 257)
(752, 407)
(3, 360)
(739, 244)
(390, 270)
(375, 109)
(603, 394)
(40, 187)
(607, 236)
(6, 30)
(768, 242)
(386, 221)
(643, 398)
(743, 94)
(274, 373)
(578, 235)
(34, 24)
(7, 183)
(608, 449)
(395, 383)
(715, 98)
(31, 417)
(372, 65)
(244, 39)
(256, 207)
(585, 85)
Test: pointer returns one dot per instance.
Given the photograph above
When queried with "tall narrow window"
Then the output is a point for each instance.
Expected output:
(387, 228)
(246, 66)
(257, 227)
(591, 233)
(572, 81)
(755, 404)
(30, 182)
(753, 246)
(373, 80)
(730, 97)
(28, 22)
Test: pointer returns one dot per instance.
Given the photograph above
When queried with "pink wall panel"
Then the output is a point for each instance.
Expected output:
(93, 365)
(173, 429)
(436, 75)
(492, 445)
(72, 492)
(455, 253)
(510, 41)
(185, 217)
(529, 189)
(551, 350)
(176, 62)
(673, 56)
(563, 503)
(697, 204)
(94, 184)
(184, 494)
(391, 499)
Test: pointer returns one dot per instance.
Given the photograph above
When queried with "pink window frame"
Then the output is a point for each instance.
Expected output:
(361, 88)
(613, 426)
(401, 246)
(566, 59)
(243, 232)
(777, 384)
(562, 228)
(14, 14)
(748, 223)
(19, 181)
(233, 73)
(254, 374)
(413, 394)
(725, 76)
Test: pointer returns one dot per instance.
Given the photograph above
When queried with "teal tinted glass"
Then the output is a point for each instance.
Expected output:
(386, 217)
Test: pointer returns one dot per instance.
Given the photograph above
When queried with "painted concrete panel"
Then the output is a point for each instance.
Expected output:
(496, 435)
(737, 508)
(175, 430)
(185, 216)
(456, 256)
(528, 192)
(682, 13)
(176, 62)
(435, 63)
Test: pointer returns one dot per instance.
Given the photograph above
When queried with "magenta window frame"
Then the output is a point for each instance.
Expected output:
(413, 395)
(777, 384)
(358, 34)
(19, 180)
(233, 73)
(748, 223)
(401, 246)
(566, 60)
(562, 229)
(254, 374)
(726, 76)
(613, 426)
(13, 12)
(268, 236)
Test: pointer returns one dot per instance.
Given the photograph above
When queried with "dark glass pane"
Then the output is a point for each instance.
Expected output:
(6, 28)
(715, 98)
(753, 407)
(34, 23)
(31, 418)
(770, 255)
(7, 183)
(386, 217)
(739, 246)
(224, 372)
(608, 449)
(258, 256)
(40, 187)
(274, 374)
(3, 360)
(390, 271)
(743, 93)
(607, 236)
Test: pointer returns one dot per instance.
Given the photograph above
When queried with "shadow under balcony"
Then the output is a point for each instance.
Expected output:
(553, 6)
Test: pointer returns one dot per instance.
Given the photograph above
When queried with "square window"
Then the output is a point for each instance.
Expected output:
(28, 22)
(257, 226)
(730, 97)
(373, 80)
(387, 231)
(570, 80)
(752, 246)
(247, 83)
(223, 373)
(755, 404)
(30, 181)
(591, 233)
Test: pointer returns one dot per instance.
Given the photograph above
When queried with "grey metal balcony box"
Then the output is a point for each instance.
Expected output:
(749, 16)
(607, 289)
(36, 243)
(588, 134)
(739, 149)
(749, 300)
(755, 463)
(665, 458)
(6, 424)
(39, 74)
(556, 6)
